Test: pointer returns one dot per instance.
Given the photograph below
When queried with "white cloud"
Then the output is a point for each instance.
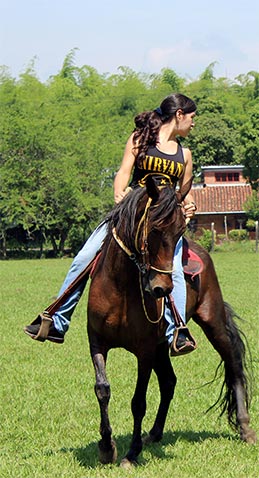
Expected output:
(191, 57)
(182, 57)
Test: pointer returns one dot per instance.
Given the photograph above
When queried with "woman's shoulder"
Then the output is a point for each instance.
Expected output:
(187, 154)
(185, 150)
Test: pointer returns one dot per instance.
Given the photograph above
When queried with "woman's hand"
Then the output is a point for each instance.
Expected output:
(118, 196)
(189, 210)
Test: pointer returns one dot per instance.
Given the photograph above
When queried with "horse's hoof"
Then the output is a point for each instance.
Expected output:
(108, 456)
(148, 439)
(249, 437)
(127, 464)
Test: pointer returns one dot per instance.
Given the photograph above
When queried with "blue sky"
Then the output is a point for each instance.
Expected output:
(144, 35)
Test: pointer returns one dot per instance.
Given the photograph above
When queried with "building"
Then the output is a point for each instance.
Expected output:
(220, 198)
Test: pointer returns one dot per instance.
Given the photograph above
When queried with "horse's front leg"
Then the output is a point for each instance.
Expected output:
(138, 407)
(107, 446)
(167, 382)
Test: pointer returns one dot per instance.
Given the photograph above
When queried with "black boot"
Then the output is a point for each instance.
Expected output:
(183, 342)
(33, 330)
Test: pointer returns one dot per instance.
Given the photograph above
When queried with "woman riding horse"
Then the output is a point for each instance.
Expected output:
(134, 272)
(152, 149)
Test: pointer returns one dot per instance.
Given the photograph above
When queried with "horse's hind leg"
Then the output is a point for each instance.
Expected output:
(107, 446)
(167, 382)
(221, 330)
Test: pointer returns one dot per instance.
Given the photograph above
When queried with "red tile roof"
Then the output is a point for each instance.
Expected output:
(221, 199)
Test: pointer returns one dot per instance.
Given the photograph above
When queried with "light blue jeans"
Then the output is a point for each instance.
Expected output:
(179, 292)
(62, 316)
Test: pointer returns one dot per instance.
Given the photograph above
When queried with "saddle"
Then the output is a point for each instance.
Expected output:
(192, 263)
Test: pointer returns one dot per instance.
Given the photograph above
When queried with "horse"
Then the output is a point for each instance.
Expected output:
(129, 285)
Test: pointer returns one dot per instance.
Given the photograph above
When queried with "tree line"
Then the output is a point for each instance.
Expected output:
(61, 143)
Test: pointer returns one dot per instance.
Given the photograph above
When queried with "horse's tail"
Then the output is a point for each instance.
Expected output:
(238, 374)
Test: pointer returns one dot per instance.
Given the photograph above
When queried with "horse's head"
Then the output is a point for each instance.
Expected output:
(165, 225)
(148, 223)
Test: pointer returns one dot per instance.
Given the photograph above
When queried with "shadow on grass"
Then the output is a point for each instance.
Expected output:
(88, 456)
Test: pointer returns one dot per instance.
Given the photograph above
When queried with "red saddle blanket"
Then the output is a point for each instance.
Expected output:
(192, 263)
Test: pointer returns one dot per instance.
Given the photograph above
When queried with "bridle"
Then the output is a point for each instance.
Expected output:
(144, 265)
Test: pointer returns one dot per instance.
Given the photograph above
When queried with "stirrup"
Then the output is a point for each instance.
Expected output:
(46, 321)
(189, 345)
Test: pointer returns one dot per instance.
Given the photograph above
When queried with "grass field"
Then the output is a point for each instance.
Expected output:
(49, 413)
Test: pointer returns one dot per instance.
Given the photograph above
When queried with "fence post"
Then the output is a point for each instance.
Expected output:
(212, 236)
(226, 227)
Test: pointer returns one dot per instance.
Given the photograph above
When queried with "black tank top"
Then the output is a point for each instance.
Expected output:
(158, 164)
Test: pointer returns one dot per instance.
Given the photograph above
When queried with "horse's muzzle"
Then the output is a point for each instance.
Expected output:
(158, 284)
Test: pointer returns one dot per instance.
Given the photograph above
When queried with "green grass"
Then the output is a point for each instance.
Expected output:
(49, 413)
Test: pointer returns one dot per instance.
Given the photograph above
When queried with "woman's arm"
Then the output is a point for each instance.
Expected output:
(189, 204)
(122, 177)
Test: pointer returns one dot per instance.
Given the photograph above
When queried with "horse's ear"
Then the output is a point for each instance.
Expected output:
(186, 188)
(152, 189)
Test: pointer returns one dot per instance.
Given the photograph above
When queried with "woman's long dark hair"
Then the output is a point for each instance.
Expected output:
(148, 123)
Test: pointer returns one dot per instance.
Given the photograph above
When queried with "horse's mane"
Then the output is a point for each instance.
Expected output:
(125, 214)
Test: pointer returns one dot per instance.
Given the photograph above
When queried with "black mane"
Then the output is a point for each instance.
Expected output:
(125, 214)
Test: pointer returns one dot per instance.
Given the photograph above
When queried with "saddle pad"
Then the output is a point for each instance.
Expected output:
(192, 263)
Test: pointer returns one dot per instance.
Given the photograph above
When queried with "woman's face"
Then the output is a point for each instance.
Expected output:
(185, 122)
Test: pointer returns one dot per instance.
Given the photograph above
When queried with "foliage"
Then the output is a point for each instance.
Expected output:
(62, 141)
(251, 206)
(238, 234)
(250, 225)
(250, 141)
(206, 239)
(214, 140)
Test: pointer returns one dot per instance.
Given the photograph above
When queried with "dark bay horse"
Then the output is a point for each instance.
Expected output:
(125, 309)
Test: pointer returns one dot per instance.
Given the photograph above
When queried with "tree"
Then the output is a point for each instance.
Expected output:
(250, 141)
(214, 141)
(20, 151)
(251, 206)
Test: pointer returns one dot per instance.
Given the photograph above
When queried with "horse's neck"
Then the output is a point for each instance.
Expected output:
(118, 263)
